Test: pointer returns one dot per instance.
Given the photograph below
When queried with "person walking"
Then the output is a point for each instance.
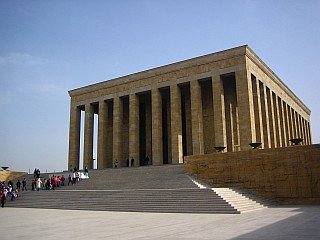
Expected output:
(53, 182)
(48, 184)
(18, 184)
(3, 198)
(24, 184)
(38, 184)
(86, 172)
(62, 180)
(70, 180)
(33, 185)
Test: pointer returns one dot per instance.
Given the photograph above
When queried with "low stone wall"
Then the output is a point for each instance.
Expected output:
(288, 175)
(8, 175)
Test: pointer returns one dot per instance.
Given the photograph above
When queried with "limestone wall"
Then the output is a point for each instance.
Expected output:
(8, 175)
(288, 175)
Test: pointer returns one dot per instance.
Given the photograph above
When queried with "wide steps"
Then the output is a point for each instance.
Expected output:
(142, 189)
(174, 200)
(243, 202)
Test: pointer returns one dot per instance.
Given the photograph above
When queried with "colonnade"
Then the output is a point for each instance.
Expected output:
(193, 117)
(276, 121)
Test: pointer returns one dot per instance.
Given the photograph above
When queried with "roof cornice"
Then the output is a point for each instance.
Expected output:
(212, 57)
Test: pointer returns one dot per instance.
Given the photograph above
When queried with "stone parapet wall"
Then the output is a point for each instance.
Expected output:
(289, 175)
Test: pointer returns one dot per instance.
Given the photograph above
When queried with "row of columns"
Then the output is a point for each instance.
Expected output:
(276, 121)
(264, 117)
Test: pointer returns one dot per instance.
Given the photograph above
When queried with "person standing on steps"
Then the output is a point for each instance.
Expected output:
(116, 163)
(33, 185)
(38, 184)
(3, 198)
(86, 172)
(24, 184)
(18, 184)
(70, 180)
(132, 162)
(62, 180)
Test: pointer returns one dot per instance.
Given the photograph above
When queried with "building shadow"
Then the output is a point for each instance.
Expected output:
(303, 225)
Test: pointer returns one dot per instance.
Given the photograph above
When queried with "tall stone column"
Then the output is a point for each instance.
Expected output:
(117, 124)
(219, 115)
(304, 131)
(291, 123)
(297, 127)
(294, 122)
(272, 123)
(265, 116)
(102, 135)
(287, 122)
(134, 129)
(245, 105)
(196, 118)
(282, 123)
(277, 119)
(156, 109)
(88, 137)
(176, 125)
(74, 137)
(257, 110)
(309, 133)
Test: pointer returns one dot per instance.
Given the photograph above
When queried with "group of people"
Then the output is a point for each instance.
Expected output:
(76, 175)
(145, 161)
(48, 183)
(36, 173)
(7, 191)
(37, 184)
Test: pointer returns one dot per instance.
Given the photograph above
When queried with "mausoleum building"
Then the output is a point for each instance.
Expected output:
(226, 99)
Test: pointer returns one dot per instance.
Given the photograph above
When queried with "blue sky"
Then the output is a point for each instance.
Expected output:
(50, 47)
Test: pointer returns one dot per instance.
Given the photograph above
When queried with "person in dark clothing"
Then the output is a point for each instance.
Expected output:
(10, 183)
(132, 162)
(3, 199)
(2, 186)
(24, 184)
(70, 180)
(33, 185)
(18, 184)
(48, 183)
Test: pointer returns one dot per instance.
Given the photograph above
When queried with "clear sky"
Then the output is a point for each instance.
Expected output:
(50, 47)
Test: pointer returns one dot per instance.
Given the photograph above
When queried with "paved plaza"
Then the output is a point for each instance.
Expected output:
(285, 222)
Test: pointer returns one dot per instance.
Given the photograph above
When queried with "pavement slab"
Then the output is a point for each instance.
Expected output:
(281, 222)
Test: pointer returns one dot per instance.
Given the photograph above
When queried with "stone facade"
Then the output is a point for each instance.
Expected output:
(226, 99)
(288, 175)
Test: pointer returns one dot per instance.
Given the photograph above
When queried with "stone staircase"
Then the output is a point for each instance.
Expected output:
(241, 200)
(164, 200)
(144, 189)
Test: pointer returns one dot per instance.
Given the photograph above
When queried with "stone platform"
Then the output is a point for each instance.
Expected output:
(145, 189)
(294, 223)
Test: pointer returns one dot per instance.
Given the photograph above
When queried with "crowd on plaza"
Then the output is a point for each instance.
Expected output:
(7, 191)
(50, 183)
